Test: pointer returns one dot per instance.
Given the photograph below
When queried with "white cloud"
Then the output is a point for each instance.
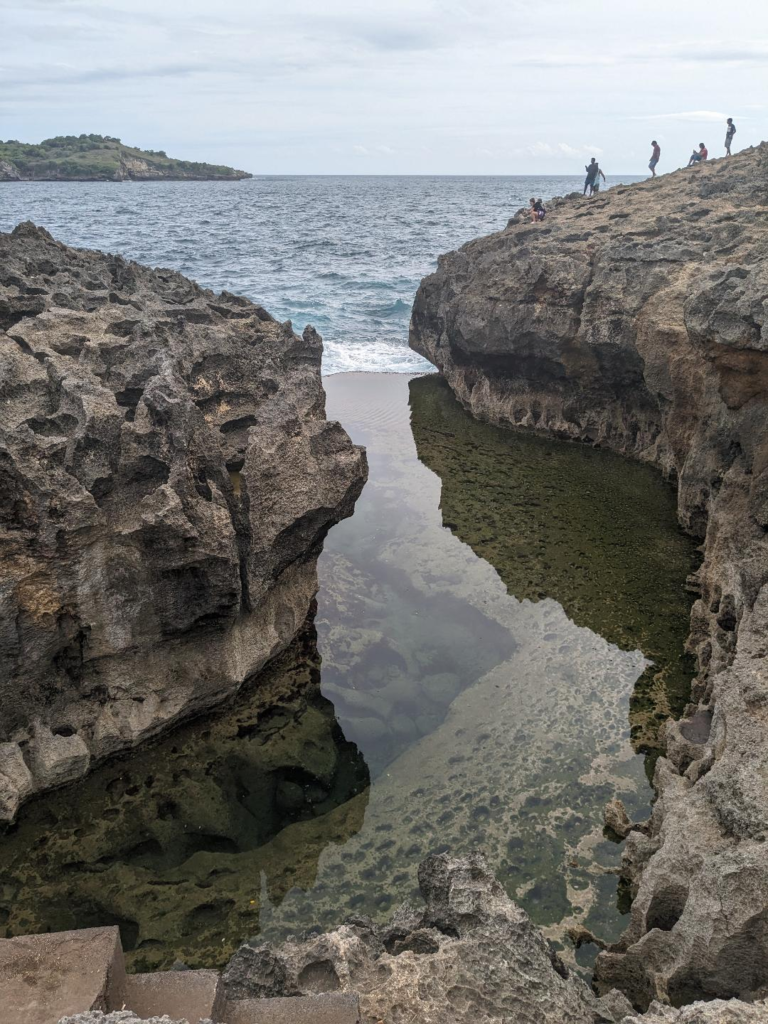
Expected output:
(685, 115)
(561, 150)
(450, 86)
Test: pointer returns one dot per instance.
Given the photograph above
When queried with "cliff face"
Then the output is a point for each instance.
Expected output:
(636, 320)
(167, 477)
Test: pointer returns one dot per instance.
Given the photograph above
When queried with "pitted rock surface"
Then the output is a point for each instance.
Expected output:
(167, 477)
(717, 1012)
(120, 1017)
(636, 320)
(471, 956)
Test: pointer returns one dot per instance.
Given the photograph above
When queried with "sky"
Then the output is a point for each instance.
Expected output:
(390, 86)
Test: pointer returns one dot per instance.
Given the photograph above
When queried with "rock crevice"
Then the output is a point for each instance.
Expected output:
(636, 321)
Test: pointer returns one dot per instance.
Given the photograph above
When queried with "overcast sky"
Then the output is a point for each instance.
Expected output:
(389, 86)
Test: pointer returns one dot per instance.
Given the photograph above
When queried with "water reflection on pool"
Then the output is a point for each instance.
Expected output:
(482, 621)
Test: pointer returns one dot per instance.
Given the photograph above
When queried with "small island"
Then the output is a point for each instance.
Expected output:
(101, 158)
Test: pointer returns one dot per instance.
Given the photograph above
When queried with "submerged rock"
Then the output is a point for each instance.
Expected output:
(636, 321)
(167, 477)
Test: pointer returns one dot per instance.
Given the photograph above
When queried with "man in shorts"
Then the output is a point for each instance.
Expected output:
(654, 157)
(729, 133)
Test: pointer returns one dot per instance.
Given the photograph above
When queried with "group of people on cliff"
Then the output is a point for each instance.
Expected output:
(595, 173)
(698, 155)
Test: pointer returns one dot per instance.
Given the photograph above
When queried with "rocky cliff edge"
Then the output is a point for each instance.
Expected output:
(167, 477)
(636, 320)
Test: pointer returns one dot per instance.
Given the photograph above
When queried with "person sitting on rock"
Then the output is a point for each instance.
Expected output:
(538, 212)
(698, 155)
(729, 133)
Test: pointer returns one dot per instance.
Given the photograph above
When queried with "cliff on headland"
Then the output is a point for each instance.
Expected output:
(101, 158)
(167, 478)
(635, 320)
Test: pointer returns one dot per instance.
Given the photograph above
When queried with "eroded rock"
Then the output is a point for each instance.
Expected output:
(636, 321)
(470, 955)
(167, 477)
(717, 1012)
(121, 1017)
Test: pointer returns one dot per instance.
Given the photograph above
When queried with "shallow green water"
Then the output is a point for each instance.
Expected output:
(572, 523)
(479, 673)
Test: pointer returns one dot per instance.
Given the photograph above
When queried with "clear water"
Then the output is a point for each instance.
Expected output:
(482, 622)
(345, 254)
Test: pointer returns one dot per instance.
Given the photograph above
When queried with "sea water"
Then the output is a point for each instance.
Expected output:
(344, 254)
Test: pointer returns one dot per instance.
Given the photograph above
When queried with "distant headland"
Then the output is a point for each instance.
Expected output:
(101, 158)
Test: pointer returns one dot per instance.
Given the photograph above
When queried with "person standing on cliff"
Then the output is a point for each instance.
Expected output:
(654, 157)
(729, 133)
(595, 187)
(593, 172)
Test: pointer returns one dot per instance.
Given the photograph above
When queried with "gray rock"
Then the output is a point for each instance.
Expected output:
(716, 1012)
(120, 1017)
(616, 818)
(9, 171)
(55, 760)
(637, 321)
(167, 478)
(15, 780)
(469, 956)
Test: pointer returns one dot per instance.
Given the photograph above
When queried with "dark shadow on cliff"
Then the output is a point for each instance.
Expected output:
(596, 532)
(181, 842)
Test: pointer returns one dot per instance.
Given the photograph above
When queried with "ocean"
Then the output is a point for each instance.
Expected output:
(344, 254)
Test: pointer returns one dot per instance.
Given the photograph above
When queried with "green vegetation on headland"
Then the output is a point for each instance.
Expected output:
(101, 158)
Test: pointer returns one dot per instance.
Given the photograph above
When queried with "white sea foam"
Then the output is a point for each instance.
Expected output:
(372, 356)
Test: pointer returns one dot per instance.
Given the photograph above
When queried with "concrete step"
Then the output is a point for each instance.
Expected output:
(325, 1008)
(46, 977)
(181, 995)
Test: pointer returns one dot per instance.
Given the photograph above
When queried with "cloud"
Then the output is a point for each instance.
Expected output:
(560, 150)
(62, 74)
(408, 86)
(684, 115)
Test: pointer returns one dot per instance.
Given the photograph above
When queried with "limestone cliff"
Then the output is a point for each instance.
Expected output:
(167, 477)
(636, 320)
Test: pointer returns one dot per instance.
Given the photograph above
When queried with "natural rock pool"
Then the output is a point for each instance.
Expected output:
(484, 625)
